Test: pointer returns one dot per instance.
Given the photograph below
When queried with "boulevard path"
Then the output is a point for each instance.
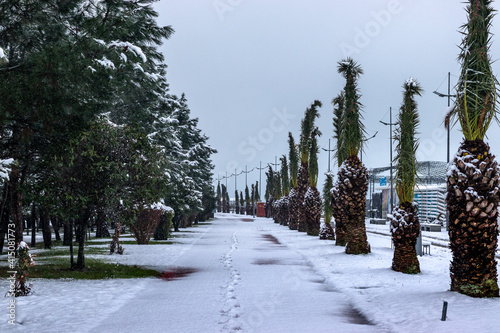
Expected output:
(237, 277)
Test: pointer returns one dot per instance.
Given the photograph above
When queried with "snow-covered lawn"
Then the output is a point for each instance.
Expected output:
(256, 277)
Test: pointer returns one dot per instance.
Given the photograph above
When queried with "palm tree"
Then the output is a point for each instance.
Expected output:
(307, 128)
(285, 188)
(405, 225)
(353, 175)
(338, 208)
(312, 198)
(326, 231)
(473, 177)
(293, 200)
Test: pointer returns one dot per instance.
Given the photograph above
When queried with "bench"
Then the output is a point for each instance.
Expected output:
(378, 221)
(430, 227)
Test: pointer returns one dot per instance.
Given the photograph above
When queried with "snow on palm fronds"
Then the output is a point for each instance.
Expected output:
(476, 103)
(407, 142)
(353, 132)
(307, 128)
(338, 111)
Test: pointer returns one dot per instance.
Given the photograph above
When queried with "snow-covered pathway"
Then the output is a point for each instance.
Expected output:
(252, 275)
(241, 279)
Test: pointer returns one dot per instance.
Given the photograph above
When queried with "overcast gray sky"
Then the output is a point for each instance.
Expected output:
(250, 68)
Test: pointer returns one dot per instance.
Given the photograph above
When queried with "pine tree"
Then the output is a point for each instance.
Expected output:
(219, 198)
(473, 175)
(405, 226)
(353, 175)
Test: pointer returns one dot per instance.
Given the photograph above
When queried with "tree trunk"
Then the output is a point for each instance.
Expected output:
(293, 209)
(313, 207)
(67, 233)
(473, 198)
(163, 230)
(405, 228)
(326, 232)
(81, 225)
(284, 210)
(16, 202)
(56, 224)
(302, 186)
(176, 221)
(339, 216)
(45, 222)
(353, 185)
(101, 225)
(4, 215)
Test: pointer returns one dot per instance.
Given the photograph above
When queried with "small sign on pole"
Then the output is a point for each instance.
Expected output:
(383, 181)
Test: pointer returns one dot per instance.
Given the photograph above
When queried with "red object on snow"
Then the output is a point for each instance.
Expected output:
(261, 212)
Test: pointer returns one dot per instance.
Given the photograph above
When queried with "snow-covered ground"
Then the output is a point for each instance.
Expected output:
(258, 277)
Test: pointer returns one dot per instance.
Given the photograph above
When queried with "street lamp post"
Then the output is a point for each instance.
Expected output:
(390, 138)
(329, 151)
(448, 135)
(260, 177)
(448, 129)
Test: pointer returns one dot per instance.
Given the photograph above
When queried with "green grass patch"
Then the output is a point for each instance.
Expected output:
(59, 268)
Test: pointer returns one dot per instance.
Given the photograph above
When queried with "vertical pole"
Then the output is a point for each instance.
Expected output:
(445, 309)
(448, 146)
(246, 173)
(260, 178)
(226, 180)
(448, 150)
(235, 188)
(329, 154)
(390, 138)
(275, 163)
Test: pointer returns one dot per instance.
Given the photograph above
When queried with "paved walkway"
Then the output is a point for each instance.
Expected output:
(238, 278)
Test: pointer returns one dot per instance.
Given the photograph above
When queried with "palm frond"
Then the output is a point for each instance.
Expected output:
(307, 127)
(476, 102)
(407, 142)
(338, 111)
(285, 180)
(352, 132)
(293, 159)
(313, 159)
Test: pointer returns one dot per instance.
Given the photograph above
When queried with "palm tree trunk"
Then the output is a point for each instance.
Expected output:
(405, 228)
(473, 198)
(302, 186)
(353, 185)
(313, 206)
(340, 217)
(293, 209)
